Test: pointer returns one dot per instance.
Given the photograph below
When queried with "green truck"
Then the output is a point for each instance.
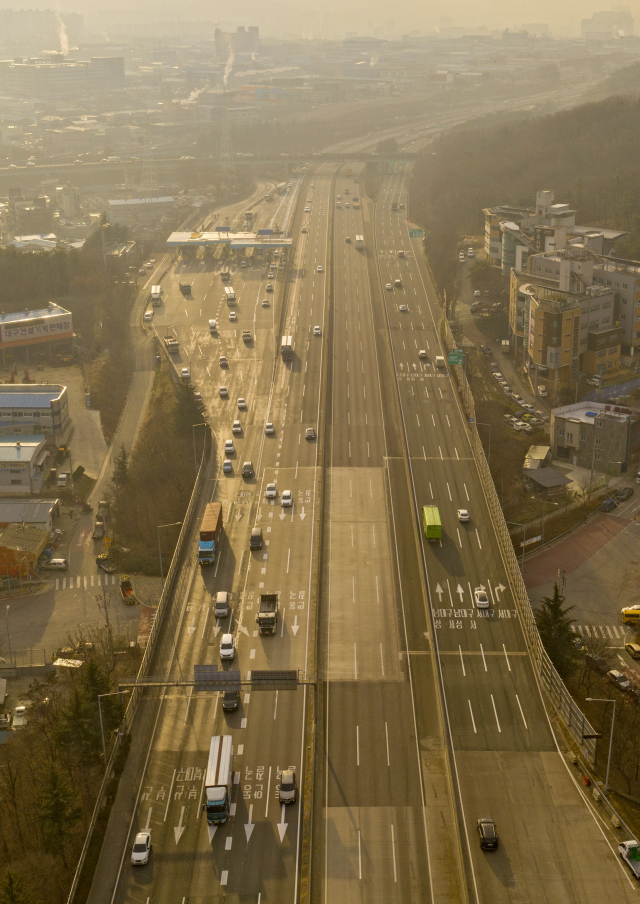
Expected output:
(431, 523)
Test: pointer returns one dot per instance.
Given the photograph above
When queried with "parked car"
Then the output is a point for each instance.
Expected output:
(633, 649)
(608, 505)
(618, 679)
(623, 494)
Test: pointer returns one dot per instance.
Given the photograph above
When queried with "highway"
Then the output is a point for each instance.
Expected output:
(504, 758)
(429, 714)
(256, 853)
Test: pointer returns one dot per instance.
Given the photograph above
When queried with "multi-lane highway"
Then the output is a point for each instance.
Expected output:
(428, 712)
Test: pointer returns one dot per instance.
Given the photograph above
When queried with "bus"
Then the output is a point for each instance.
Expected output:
(229, 294)
(431, 523)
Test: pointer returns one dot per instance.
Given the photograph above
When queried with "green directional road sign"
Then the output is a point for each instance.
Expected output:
(456, 357)
(416, 233)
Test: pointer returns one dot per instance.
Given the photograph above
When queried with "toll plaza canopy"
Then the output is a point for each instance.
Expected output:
(235, 240)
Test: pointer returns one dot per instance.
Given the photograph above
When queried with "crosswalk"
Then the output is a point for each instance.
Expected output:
(79, 582)
(609, 632)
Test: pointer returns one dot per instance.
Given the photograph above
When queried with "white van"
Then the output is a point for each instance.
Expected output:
(56, 565)
(440, 362)
(63, 480)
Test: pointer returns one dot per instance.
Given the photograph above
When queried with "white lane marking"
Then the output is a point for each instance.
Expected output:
(355, 660)
(521, 713)
(418, 420)
(424, 454)
(205, 621)
(447, 417)
(386, 734)
(357, 745)
(433, 420)
(381, 660)
(393, 851)
(449, 492)
(228, 843)
(495, 712)
(146, 828)
(224, 876)
(473, 721)
(458, 533)
(462, 661)
(484, 661)
(266, 811)
(275, 708)
(252, 654)
(359, 855)
(441, 455)
(430, 489)
(288, 559)
(173, 778)
(478, 536)
(455, 449)
(505, 656)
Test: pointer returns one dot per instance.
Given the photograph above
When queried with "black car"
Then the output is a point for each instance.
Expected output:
(623, 494)
(230, 701)
(488, 834)
(608, 505)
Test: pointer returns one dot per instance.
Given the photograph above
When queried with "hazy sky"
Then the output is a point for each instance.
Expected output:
(332, 18)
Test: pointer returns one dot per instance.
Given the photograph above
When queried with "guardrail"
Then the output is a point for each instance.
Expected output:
(169, 592)
(565, 706)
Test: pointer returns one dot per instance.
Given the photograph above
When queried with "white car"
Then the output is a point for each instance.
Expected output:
(388, 287)
(497, 375)
(481, 598)
(403, 308)
(148, 316)
(307, 210)
(269, 429)
(271, 492)
(233, 317)
(141, 849)
(213, 326)
(317, 331)
(265, 302)
(461, 256)
(185, 375)
(463, 515)
(528, 407)
(286, 499)
(242, 405)
(422, 353)
(227, 647)
(224, 392)
(229, 448)
(149, 265)
(227, 466)
(320, 268)
(477, 294)
(236, 427)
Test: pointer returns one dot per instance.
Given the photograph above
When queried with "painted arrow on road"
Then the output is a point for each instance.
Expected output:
(216, 630)
(282, 516)
(460, 593)
(191, 629)
(295, 627)
(439, 591)
(500, 588)
(249, 826)
(402, 367)
(239, 516)
(243, 629)
(415, 366)
(212, 832)
(302, 515)
(179, 829)
(282, 825)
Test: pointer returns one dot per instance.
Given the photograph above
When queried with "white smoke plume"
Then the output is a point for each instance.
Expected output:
(62, 34)
(228, 66)
(195, 94)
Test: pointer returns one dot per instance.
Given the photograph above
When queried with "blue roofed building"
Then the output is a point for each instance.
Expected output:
(36, 408)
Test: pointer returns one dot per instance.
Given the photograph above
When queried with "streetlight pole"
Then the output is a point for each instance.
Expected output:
(195, 462)
(613, 718)
(173, 524)
(6, 618)
(104, 749)
(524, 540)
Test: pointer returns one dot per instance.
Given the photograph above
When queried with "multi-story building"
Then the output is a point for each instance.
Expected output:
(595, 435)
(40, 408)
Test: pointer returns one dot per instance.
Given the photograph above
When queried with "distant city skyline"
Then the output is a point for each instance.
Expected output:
(332, 19)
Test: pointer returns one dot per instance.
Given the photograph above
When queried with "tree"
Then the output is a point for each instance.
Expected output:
(13, 891)
(556, 631)
(57, 812)
(597, 657)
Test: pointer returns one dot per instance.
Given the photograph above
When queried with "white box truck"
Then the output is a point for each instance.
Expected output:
(217, 785)
(156, 296)
(360, 242)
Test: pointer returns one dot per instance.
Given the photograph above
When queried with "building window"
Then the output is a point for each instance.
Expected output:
(569, 437)
(597, 457)
(560, 432)
(16, 414)
(598, 441)
(598, 423)
(16, 483)
(624, 285)
(602, 354)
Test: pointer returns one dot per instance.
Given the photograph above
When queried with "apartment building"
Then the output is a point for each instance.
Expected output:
(595, 435)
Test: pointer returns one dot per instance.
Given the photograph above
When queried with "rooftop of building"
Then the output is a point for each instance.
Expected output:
(53, 310)
(20, 448)
(18, 395)
(132, 202)
(587, 412)
(14, 512)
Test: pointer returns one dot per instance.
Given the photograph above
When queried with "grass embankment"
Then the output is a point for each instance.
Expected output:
(153, 485)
